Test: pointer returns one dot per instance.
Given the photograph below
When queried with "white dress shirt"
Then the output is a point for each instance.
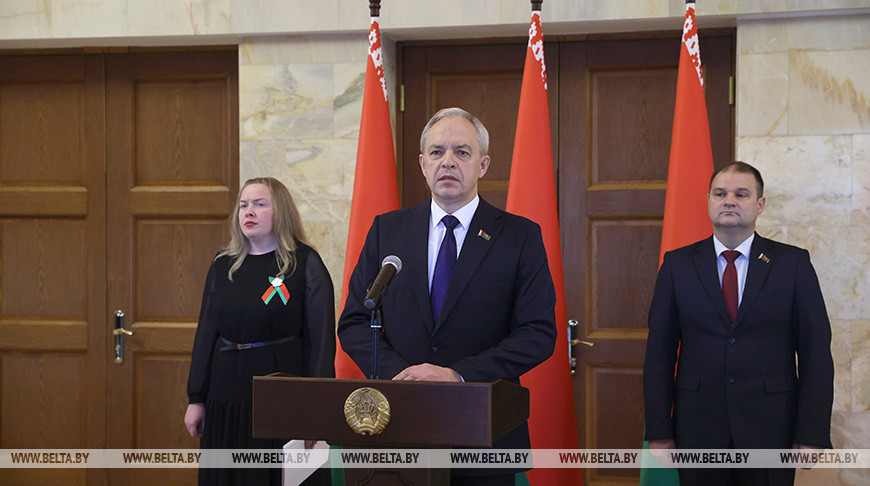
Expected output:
(741, 263)
(437, 230)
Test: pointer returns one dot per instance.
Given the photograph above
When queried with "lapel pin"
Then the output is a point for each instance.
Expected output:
(764, 258)
(484, 235)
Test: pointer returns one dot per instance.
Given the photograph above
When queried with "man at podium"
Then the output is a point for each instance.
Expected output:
(472, 299)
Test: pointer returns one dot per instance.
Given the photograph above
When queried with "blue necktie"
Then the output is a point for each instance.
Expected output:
(444, 266)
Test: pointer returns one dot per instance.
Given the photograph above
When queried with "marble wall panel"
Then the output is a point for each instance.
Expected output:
(87, 19)
(829, 92)
(281, 102)
(772, 6)
(861, 179)
(303, 49)
(808, 180)
(861, 368)
(315, 171)
(841, 257)
(300, 107)
(850, 430)
(171, 17)
(808, 32)
(288, 15)
(26, 19)
(762, 101)
(818, 186)
(349, 86)
(841, 351)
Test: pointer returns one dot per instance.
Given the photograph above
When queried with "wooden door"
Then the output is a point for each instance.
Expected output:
(617, 104)
(52, 260)
(172, 153)
(611, 110)
(117, 174)
(485, 80)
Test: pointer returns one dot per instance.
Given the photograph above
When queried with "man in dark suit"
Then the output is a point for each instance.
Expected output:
(733, 335)
(492, 317)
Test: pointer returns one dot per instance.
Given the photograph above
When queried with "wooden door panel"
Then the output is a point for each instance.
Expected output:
(138, 150)
(172, 260)
(622, 250)
(173, 177)
(44, 267)
(607, 425)
(52, 258)
(155, 427)
(485, 80)
(627, 106)
(45, 405)
(485, 95)
(30, 384)
(616, 109)
(175, 125)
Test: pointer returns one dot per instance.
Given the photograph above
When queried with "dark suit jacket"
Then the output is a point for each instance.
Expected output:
(498, 319)
(739, 382)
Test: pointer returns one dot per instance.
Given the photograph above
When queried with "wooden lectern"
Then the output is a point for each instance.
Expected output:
(422, 414)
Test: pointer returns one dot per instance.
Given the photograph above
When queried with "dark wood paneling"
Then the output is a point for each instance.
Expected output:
(622, 250)
(620, 385)
(627, 106)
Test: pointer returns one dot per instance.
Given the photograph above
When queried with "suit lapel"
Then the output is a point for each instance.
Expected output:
(755, 275)
(474, 249)
(705, 265)
(418, 265)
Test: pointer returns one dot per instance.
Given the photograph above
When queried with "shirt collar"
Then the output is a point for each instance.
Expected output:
(463, 214)
(743, 248)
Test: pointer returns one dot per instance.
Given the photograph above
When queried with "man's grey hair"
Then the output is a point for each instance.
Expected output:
(482, 134)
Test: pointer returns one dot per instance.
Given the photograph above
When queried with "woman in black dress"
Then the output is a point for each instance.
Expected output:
(268, 307)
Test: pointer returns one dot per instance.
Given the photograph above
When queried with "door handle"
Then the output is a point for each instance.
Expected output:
(573, 341)
(119, 332)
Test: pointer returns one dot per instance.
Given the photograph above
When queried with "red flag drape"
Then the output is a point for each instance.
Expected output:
(375, 186)
(532, 193)
(689, 171)
(691, 161)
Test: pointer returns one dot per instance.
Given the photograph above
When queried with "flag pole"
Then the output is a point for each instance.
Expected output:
(536, 5)
(375, 8)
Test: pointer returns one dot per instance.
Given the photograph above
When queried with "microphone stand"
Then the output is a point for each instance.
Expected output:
(377, 326)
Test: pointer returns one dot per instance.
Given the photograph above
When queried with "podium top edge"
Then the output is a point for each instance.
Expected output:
(368, 382)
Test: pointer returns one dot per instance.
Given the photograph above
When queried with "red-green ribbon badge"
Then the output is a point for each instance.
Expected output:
(277, 287)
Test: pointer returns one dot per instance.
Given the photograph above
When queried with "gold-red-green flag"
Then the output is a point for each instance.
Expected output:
(532, 193)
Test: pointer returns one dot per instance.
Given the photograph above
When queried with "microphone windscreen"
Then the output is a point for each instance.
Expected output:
(394, 261)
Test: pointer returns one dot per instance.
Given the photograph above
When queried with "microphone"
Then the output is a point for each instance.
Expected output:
(389, 268)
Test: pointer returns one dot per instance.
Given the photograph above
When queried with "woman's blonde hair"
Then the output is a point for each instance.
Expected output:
(286, 225)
